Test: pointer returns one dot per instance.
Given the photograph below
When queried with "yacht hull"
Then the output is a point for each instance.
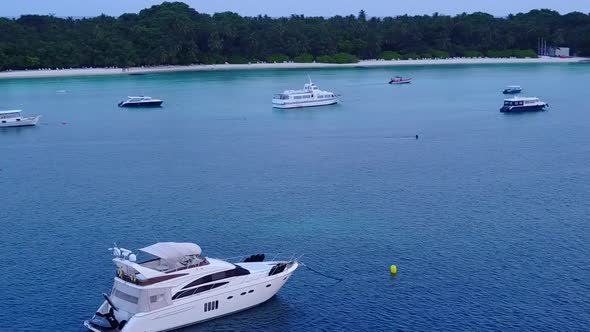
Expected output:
(302, 104)
(214, 304)
(23, 122)
(518, 109)
(142, 104)
(398, 82)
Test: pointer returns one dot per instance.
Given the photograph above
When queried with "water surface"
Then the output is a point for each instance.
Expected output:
(485, 215)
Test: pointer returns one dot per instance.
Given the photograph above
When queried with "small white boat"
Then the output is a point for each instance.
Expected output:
(512, 89)
(13, 118)
(178, 287)
(523, 104)
(310, 96)
(141, 101)
(400, 80)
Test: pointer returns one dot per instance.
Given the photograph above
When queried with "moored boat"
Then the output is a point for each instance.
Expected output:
(13, 118)
(400, 80)
(141, 101)
(523, 104)
(512, 89)
(180, 287)
(310, 96)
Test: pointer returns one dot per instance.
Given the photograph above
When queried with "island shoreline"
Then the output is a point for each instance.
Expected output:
(54, 73)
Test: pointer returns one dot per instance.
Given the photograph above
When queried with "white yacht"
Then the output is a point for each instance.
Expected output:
(310, 96)
(180, 287)
(141, 101)
(14, 118)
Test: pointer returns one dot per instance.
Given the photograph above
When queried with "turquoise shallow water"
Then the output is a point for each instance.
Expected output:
(486, 215)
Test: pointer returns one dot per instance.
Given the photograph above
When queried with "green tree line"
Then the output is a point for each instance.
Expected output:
(172, 33)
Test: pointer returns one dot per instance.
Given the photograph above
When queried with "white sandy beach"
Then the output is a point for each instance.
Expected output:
(290, 65)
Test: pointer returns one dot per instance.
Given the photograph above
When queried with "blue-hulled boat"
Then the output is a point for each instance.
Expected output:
(142, 101)
(512, 89)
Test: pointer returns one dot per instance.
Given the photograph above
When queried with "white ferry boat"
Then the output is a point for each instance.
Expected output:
(141, 101)
(310, 96)
(14, 118)
(180, 287)
(523, 104)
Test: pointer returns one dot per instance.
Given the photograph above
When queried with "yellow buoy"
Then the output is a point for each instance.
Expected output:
(393, 269)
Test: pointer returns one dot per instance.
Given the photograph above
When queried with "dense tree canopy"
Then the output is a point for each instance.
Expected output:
(174, 33)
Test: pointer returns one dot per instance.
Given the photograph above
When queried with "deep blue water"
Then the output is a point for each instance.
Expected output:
(485, 215)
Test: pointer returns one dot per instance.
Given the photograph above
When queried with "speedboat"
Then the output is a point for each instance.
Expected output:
(400, 80)
(141, 101)
(310, 96)
(178, 286)
(523, 104)
(512, 89)
(14, 118)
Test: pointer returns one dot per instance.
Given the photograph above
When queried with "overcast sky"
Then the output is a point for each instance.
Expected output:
(287, 7)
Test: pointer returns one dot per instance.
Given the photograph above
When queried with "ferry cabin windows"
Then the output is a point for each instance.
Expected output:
(213, 305)
(9, 115)
(302, 97)
(515, 103)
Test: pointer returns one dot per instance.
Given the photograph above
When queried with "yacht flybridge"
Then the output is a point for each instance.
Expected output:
(180, 287)
(310, 96)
